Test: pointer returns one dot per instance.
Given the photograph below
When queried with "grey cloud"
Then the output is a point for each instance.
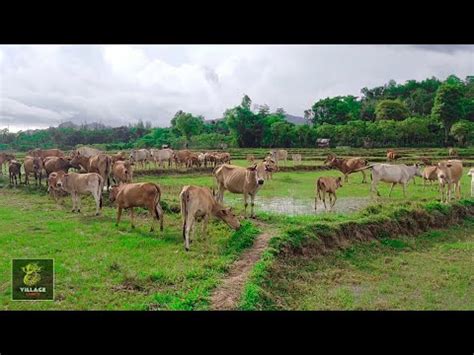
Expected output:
(45, 85)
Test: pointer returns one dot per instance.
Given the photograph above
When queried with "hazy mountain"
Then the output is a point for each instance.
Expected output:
(93, 125)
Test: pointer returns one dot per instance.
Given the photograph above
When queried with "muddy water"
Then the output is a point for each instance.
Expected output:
(292, 206)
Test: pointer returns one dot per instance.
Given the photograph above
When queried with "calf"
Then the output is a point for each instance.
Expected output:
(14, 171)
(4, 160)
(392, 155)
(449, 177)
(33, 166)
(198, 202)
(327, 185)
(145, 194)
(80, 184)
(238, 180)
(471, 174)
(122, 172)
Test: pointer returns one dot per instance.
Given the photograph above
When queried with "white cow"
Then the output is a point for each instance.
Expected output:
(141, 156)
(393, 174)
(471, 174)
(161, 156)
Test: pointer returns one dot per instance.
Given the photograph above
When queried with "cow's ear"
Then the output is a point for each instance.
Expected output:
(449, 165)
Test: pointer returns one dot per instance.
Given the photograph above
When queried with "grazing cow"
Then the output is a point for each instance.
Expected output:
(238, 180)
(430, 173)
(452, 152)
(392, 155)
(181, 157)
(52, 164)
(393, 174)
(33, 166)
(449, 178)
(122, 172)
(471, 174)
(347, 166)
(144, 194)
(198, 202)
(43, 153)
(250, 158)
(120, 156)
(80, 184)
(87, 152)
(223, 158)
(296, 158)
(329, 185)
(14, 171)
(141, 156)
(4, 159)
(278, 155)
(161, 156)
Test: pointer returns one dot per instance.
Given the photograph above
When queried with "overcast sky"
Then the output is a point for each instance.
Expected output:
(42, 86)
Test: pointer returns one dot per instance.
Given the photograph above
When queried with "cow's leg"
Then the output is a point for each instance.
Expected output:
(97, 202)
(73, 196)
(188, 231)
(131, 217)
(152, 216)
(324, 199)
(405, 189)
(334, 200)
(459, 189)
(346, 177)
(245, 205)
(391, 188)
(316, 200)
(204, 225)
(119, 214)
(252, 204)
(364, 180)
(78, 202)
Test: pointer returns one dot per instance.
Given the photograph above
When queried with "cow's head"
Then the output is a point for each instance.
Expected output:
(228, 216)
(114, 190)
(60, 179)
(418, 171)
(330, 160)
(338, 182)
(471, 172)
(443, 172)
(256, 174)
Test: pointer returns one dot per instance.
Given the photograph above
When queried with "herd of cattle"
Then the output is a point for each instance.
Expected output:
(96, 170)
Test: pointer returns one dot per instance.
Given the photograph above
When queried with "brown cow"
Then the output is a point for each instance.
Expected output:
(347, 166)
(430, 173)
(198, 202)
(449, 175)
(43, 153)
(122, 171)
(329, 185)
(120, 156)
(222, 158)
(80, 184)
(52, 164)
(33, 166)
(181, 157)
(145, 194)
(238, 180)
(4, 160)
(192, 160)
(14, 171)
(392, 155)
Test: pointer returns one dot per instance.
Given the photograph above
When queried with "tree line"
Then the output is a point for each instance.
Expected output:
(417, 113)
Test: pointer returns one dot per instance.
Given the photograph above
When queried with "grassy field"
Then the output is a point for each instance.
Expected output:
(100, 266)
(433, 271)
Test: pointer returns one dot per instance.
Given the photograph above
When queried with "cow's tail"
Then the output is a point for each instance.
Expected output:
(184, 210)
(101, 189)
(156, 202)
(364, 168)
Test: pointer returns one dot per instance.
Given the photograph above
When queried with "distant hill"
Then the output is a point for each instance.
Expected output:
(93, 125)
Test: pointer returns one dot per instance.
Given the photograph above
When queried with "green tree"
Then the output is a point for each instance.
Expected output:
(463, 132)
(188, 125)
(391, 110)
(447, 108)
(336, 110)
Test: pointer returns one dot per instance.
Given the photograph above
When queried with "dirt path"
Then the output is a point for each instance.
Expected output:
(227, 294)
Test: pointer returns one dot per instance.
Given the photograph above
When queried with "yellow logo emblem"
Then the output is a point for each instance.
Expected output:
(32, 276)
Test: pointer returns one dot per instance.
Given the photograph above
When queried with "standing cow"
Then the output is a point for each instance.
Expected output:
(449, 178)
(278, 155)
(33, 166)
(198, 202)
(14, 171)
(347, 166)
(327, 185)
(80, 184)
(140, 156)
(122, 172)
(471, 174)
(5, 158)
(161, 156)
(238, 180)
(145, 194)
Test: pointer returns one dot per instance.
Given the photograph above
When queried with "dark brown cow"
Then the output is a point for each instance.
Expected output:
(347, 166)
(14, 170)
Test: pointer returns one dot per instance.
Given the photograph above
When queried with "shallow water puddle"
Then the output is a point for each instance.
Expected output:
(296, 206)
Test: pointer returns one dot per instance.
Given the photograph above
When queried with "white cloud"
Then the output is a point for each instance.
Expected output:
(42, 85)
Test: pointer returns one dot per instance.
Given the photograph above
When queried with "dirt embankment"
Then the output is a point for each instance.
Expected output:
(323, 240)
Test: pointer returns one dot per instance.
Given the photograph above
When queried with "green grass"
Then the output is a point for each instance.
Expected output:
(433, 271)
(100, 266)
